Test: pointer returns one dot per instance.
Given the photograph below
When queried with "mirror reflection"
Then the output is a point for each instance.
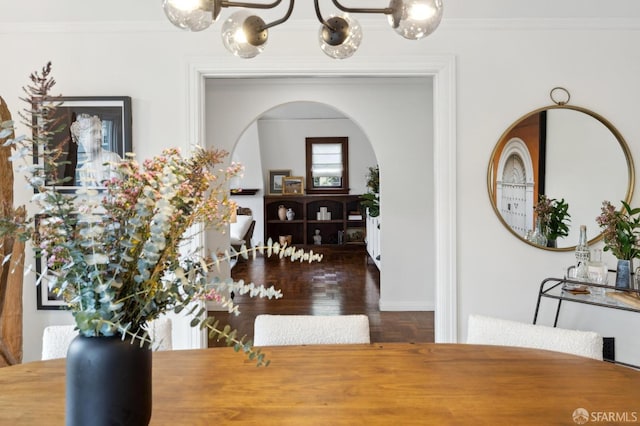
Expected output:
(567, 154)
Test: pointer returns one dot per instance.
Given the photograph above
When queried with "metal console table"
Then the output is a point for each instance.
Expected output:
(556, 288)
(602, 295)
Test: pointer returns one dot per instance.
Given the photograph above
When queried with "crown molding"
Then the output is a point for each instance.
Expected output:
(542, 24)
(87, 27)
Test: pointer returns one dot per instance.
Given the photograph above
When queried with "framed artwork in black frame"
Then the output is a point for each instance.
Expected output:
(96, 130)
(46, 299)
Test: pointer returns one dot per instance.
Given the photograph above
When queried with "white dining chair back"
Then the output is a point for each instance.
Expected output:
(160, 330)
(283, 330)
(495, 331)
(57, 338)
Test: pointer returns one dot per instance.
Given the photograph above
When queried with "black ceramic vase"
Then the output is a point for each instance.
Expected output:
(108, 382)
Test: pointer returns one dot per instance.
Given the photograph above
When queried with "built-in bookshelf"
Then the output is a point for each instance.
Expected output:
(338, 218)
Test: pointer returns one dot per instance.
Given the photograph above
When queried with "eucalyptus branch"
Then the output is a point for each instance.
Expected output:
(230, 338)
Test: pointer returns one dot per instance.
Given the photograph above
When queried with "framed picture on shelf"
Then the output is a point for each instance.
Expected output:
(293, 185)
(275, 180)
(355, 235)
(96, 131)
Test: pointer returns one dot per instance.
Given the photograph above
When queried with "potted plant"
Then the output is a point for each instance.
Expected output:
(370, 201)
(117, 257)
(554, 218)
(619, 231)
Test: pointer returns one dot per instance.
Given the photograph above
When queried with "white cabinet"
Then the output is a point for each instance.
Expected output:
(373, 239)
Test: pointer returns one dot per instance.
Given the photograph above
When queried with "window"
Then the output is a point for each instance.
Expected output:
(327, 165)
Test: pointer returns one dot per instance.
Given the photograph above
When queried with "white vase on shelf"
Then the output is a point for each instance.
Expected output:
(290, 214)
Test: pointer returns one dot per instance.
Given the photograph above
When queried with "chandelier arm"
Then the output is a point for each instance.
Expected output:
(319, 14)
(281, 20)
(250, 5)
(386, 10)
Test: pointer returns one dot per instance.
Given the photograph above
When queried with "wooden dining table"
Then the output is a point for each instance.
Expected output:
(394, 384)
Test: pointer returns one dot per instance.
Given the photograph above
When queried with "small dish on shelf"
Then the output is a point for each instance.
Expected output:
(576, 288)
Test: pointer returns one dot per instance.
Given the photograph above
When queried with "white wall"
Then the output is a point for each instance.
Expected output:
(245, 153)
(585, 165)
(508, 54)
(282, 145)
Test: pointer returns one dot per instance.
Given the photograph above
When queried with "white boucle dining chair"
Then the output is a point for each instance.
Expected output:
(494, 331)
(57, 338)
(284, 330)
(160, 330)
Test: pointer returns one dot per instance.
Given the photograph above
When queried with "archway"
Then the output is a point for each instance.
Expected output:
(262, 145)
(514, 188)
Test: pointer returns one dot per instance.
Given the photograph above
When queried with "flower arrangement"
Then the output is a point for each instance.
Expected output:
(116, 255)
(554, 216)
(619, 230)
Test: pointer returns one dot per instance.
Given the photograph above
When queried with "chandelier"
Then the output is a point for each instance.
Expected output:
(245, 34)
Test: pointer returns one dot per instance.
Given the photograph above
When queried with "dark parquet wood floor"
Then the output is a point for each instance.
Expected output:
(345, 282)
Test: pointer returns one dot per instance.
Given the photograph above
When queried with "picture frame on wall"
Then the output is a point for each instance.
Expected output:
(275, 180)
(45, 298)
(293, 185)
(96, 133)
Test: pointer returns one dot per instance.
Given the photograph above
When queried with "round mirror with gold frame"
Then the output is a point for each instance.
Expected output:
(566, 153)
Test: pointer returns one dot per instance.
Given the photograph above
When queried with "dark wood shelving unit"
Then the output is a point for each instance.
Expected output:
(338, 230)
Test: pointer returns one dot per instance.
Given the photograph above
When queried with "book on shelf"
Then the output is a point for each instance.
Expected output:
(323, 215)
(355, 215)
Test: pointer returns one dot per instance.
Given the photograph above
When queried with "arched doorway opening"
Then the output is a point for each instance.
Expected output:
(274, 141)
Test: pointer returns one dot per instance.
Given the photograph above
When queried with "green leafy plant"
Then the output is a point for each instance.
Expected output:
(371, 202)
(619, 230)
(373, 179)
(119, 256)
(371, 199)
(554, 217)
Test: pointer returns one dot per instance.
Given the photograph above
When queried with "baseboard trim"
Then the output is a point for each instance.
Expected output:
(407, 306)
